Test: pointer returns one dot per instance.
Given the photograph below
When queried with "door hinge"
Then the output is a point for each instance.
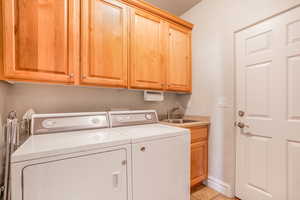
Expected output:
(124, 162)
(2, 188)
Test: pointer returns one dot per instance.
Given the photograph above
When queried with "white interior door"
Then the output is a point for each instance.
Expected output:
(90, 177)
(268, 91)
(161, 169)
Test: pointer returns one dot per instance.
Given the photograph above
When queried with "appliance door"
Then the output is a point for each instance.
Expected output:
(90, 177)
(161, 169)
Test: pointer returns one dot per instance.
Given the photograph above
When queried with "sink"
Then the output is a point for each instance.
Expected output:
(180, 121)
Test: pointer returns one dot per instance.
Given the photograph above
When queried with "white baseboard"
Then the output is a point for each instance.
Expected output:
(219, 186)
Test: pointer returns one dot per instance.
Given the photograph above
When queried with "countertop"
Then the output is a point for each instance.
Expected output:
(201, 121)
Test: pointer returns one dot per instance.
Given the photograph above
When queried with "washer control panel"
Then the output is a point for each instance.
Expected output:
(131, 118)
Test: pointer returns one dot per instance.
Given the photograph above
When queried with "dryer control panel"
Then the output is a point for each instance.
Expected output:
(51, 123)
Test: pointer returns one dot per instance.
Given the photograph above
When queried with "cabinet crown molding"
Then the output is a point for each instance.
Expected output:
(162, 13)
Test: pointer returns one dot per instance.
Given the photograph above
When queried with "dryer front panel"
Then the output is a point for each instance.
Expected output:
(90, 177)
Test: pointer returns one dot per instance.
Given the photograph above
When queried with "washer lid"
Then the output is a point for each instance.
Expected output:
(148, 132)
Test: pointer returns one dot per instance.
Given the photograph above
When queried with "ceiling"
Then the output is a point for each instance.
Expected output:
(177, 7)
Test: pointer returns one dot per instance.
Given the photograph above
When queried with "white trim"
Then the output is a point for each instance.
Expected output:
(219, 186)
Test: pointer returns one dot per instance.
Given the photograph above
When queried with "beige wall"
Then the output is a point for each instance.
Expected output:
(58, 99)
(213, 70)
(3, 92)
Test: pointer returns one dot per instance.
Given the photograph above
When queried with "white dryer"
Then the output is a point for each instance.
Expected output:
(77, 161)
(77, 157)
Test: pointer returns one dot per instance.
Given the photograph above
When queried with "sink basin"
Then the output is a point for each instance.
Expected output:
(179, 121)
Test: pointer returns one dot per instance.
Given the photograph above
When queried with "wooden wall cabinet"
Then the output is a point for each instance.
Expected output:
(112, 43)
(160, 54)
(179, 59)
(199, 154)
(40, 40)
(147, 70)
(104, 43)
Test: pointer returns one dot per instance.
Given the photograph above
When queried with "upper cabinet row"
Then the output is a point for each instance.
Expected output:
(96, 42)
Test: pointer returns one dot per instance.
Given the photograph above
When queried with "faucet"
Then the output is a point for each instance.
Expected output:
(170, 112)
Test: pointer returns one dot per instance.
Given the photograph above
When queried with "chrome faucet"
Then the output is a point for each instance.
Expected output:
(170, 112)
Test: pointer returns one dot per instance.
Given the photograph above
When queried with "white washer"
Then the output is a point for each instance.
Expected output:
(160, 156)
(84, 159)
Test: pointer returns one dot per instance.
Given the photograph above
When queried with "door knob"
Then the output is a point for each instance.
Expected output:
(241, 113)
(143, 149)
(241, 125)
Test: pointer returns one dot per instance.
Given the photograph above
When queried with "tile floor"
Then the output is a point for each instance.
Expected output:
(202, 192)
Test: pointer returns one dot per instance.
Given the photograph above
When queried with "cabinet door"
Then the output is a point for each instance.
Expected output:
(40, 40)
(104, 36)
(179, 62)
(199, 162)
(147, 70)
(90, 177)
(161, 169)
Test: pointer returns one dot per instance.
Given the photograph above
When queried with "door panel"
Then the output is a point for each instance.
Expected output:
(93, 177)
(293, 31)
(39, 40)
(147, 69)
(257, 98)
(258, 43)
(104, 43)
(258, 154)
(293, 170)
(161, 169)
(293, 87)
(267, 58)
(179, 65)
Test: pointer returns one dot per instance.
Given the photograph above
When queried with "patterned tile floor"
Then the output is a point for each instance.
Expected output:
(202, 192)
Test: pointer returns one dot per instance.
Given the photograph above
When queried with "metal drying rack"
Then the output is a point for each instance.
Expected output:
(12, 129)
